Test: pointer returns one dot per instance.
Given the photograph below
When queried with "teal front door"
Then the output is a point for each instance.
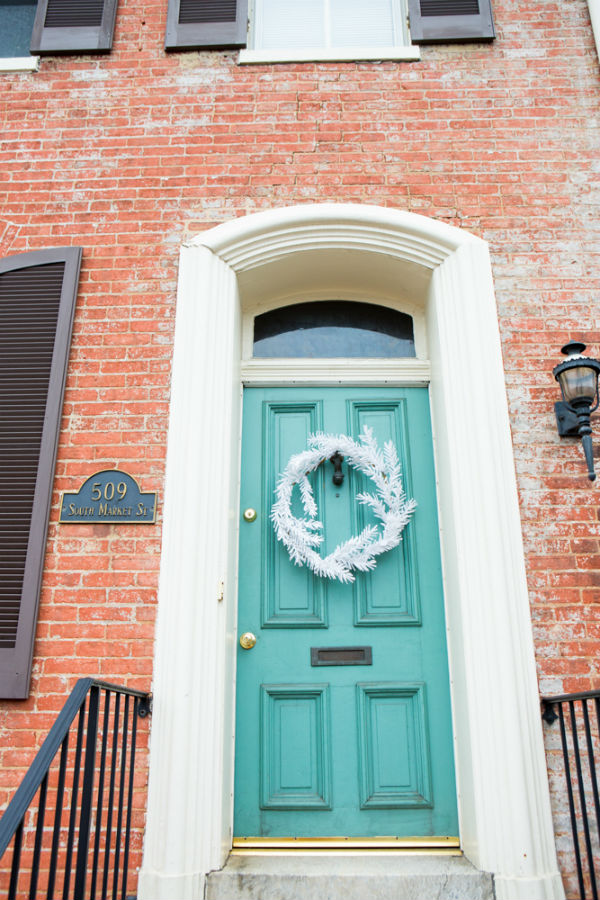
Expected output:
(343, 706)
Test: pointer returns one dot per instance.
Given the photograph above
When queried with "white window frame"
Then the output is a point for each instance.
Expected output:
(257, 55)
(19, 63)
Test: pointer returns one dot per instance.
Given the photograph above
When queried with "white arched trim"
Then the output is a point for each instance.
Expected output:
(594, 8)
(503, 797)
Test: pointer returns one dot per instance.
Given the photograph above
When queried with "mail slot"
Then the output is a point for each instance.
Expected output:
(341, 656)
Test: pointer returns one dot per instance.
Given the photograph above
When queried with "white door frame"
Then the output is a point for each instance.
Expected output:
(401, 259)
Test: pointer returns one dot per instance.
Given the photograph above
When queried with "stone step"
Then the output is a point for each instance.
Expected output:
(348, 876)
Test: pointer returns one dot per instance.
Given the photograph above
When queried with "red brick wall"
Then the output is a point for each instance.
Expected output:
(129, 153)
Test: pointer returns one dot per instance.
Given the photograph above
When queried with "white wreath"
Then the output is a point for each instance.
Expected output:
(301, 535)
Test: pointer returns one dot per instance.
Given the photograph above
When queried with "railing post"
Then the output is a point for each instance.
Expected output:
(39, 833)
(86, 795)
(121, 797)
(64, 750)
(74, 807)
(101, 776)
(111, 796)
(16, 862)
(134, 716)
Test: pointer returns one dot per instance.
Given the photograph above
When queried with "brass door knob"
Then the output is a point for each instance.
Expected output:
(247, 640)
(250, 514)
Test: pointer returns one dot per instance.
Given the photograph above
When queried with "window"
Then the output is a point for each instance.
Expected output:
(16, 25)
(325, 29)
(334, 329)
(37, 304)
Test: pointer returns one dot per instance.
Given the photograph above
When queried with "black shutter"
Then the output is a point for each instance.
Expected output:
(445, 21)
(37, 304)
(66, 26)
(199, 24)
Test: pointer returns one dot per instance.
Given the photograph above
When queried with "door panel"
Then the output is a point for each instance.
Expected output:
(295, 747)
(392, 716)
(341, 750)
(291, 597)
(389, 595)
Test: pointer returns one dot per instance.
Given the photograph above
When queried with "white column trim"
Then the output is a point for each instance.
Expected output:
(189, 761)
(335, 371)
(504, 806)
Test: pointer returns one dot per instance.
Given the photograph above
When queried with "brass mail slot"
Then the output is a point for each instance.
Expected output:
(341, 656)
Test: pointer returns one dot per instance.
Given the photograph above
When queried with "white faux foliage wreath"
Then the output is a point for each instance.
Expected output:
(302, 535)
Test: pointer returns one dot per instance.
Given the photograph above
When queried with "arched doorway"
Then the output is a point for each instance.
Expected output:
(443, 273)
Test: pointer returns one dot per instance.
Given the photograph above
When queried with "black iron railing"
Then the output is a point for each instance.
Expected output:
(579, 719)
(70, 820)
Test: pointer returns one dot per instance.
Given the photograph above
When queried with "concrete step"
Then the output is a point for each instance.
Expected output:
(349, 876)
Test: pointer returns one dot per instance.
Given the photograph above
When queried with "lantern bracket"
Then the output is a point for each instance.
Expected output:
(567, 421)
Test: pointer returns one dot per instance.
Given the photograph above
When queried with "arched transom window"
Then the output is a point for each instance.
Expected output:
(333, 329)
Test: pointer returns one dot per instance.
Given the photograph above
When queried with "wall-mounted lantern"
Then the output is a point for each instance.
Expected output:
(578, 379)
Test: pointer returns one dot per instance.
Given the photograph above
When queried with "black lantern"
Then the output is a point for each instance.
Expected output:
(578, 379)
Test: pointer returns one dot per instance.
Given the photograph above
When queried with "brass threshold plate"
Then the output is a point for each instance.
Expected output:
(413, 844)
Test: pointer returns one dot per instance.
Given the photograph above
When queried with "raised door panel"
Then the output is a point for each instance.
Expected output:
(394, 746)
(292, 597)
(295, 747)
(389, 595)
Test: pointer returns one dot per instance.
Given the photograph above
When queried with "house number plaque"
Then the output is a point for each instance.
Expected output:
(109, 497)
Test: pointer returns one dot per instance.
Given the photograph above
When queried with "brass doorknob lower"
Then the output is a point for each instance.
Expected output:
(247, 640)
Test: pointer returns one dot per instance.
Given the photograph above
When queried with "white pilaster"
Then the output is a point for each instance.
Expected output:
(190, 767)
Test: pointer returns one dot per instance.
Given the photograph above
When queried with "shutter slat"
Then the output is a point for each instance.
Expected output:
(202, 11)
(445, 21)
(443, 8)
(65, 13)
(37, 301)
(65, 26)
(206, 24)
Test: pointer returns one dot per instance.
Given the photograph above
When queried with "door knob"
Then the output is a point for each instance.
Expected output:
(247, 640)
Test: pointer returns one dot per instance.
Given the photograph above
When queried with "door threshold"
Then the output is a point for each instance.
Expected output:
(262, 845)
